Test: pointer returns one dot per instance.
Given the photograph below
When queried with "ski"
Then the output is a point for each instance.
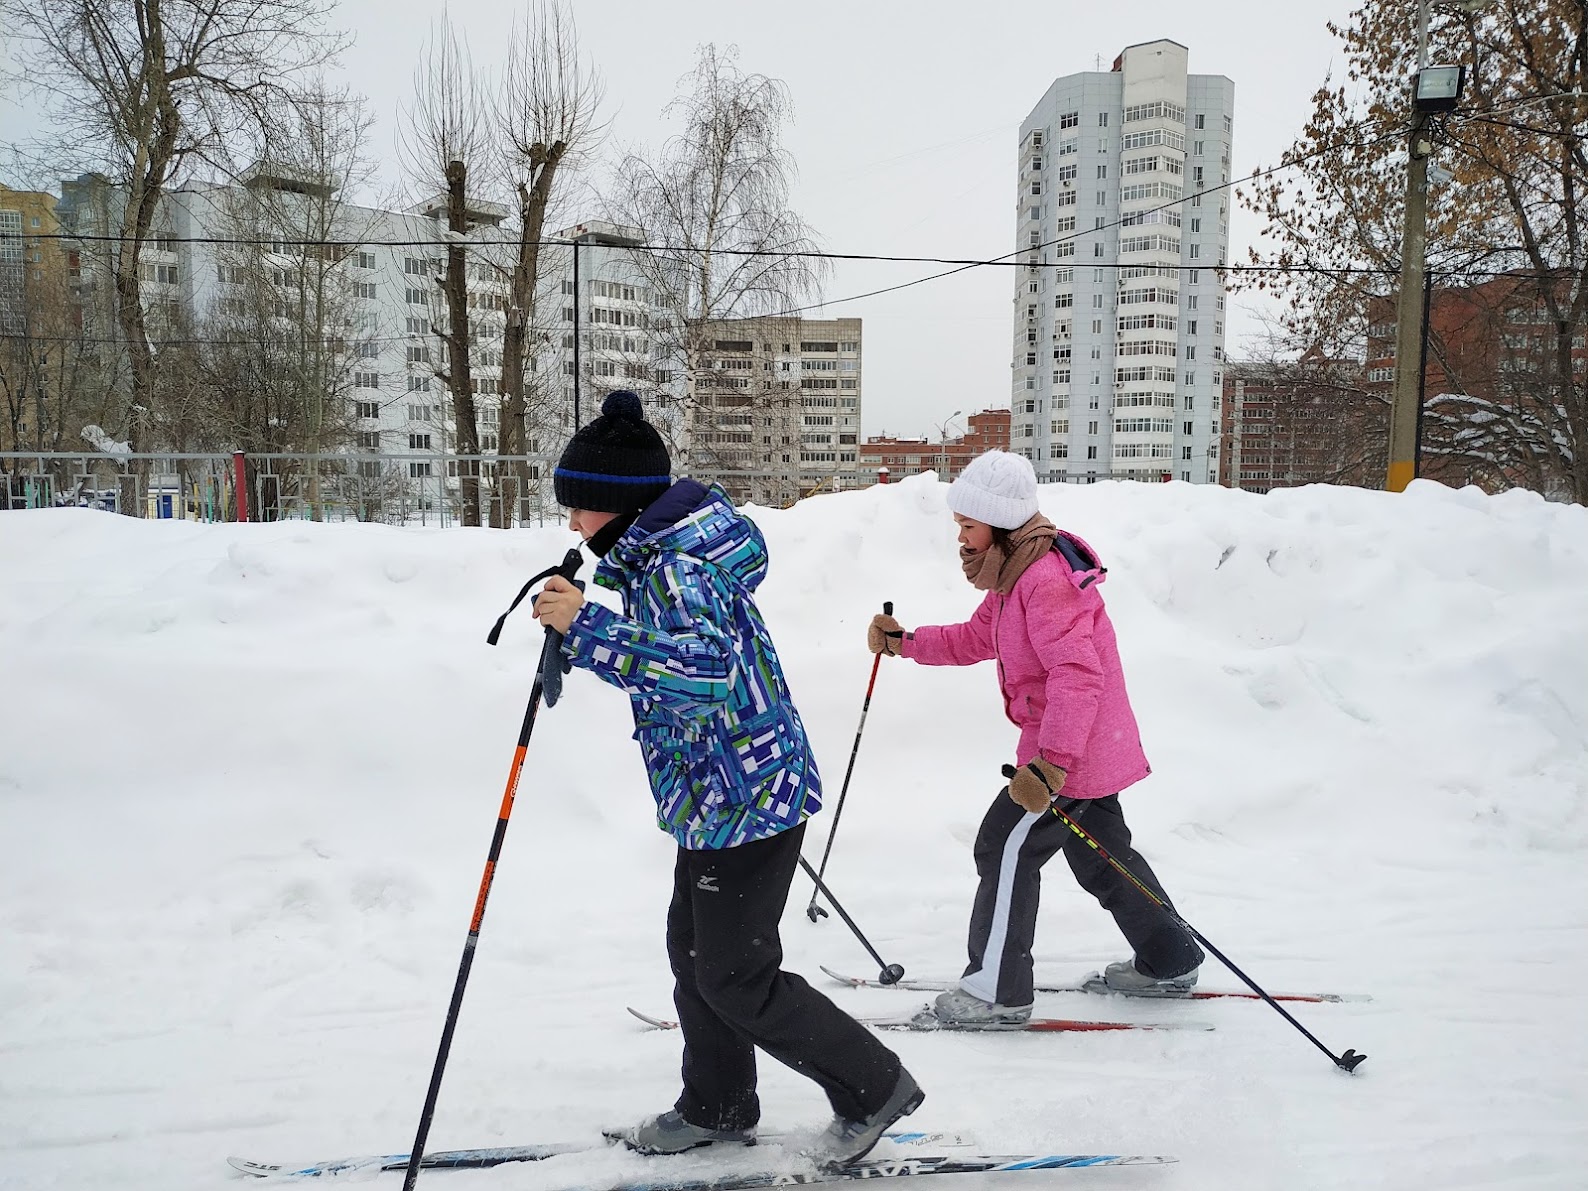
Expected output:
(926, 1022)
(868, 1168)
(886, 1168)
(1094, 984)
(501, 1155)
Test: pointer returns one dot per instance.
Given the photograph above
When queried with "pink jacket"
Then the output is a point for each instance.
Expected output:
(1058, 669)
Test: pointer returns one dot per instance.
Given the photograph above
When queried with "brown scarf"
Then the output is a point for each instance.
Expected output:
(995, 570)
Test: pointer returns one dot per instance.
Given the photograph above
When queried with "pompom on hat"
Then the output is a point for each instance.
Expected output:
(997, 488)
(616, 463)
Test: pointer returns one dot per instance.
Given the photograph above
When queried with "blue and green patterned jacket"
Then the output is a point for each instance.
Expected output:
(726, 751)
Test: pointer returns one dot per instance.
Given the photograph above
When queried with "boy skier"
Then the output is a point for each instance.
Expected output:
(734, 781)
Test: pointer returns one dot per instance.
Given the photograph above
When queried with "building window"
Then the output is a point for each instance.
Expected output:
(366, 380)
(1102, 119)
(1069, 120)
(419, 442)
(366, 409)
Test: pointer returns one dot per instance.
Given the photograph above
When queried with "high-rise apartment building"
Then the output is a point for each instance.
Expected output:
(1119, 308)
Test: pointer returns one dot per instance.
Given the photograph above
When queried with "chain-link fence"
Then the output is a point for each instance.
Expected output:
(410, 489)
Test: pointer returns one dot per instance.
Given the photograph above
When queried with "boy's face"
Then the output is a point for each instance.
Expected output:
(587, 522)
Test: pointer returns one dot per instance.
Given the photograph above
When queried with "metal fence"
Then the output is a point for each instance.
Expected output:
(409, 489)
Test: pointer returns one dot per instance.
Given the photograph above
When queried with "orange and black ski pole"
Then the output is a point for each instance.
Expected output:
(548, 685)
(813, 911)
(1345, 1062)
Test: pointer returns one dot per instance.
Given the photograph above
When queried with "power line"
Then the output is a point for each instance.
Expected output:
(957, 265)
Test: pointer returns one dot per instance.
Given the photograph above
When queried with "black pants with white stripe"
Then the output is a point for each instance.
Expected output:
(1011, 848)
(732, 996)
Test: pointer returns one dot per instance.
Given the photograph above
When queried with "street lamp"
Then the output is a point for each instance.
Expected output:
(942, 438)
(1434, 89)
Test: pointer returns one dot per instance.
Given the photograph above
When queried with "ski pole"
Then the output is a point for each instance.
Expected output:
(1349, 1061)
(891, 973)
(813, 911)
(550, 664)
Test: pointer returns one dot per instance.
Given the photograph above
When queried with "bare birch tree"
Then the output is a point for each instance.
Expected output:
(154, 87)
(724, 243)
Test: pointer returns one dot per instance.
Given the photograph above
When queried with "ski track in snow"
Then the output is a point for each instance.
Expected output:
(248, 775)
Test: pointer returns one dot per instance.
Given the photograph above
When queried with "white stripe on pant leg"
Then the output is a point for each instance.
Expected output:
(984, 984)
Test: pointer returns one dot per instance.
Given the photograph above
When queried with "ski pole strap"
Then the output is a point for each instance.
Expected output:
(567, 568)
(552, 663)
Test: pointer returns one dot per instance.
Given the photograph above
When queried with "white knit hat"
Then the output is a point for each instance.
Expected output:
(997, 488)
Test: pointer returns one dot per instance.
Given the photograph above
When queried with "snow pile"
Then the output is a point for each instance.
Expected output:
(248, 775)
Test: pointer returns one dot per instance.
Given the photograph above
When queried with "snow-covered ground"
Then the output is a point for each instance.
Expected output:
(248, 775)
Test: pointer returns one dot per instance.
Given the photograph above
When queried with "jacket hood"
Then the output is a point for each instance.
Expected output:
(1085, 567)
(690, 518)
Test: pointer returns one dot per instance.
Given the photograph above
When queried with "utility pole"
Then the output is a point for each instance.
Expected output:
(1409, 313)
(1434, 89)
(577, 332)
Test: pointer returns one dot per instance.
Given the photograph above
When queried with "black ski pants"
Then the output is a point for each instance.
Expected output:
(1011, 848)
(723, 944)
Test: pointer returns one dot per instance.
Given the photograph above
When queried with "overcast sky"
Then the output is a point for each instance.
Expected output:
(906, 118)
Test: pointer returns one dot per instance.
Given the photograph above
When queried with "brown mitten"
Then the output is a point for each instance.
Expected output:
(1034, 785)
(884, 635)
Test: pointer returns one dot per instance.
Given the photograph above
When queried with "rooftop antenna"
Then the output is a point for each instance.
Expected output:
(1097, 62)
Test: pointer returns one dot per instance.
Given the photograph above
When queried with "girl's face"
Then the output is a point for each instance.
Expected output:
(586, 522)
(973, 535)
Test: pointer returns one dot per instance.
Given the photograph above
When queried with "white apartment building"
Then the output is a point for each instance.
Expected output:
(386, 272)
(1119, 308)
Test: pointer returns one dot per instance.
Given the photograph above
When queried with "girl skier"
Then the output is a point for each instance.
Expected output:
(1044, 622)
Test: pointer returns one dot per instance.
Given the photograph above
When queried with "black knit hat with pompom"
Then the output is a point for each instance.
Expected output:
(616, 463)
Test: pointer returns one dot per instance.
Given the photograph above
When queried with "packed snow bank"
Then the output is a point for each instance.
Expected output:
(248, 775)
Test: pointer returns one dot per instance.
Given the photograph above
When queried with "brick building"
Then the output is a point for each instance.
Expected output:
(986, 431)
(1310, 421)
(1496, 386)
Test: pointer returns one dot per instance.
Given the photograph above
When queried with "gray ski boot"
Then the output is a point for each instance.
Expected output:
(846, 1142)
(965, 1010)
(669, 1133)
(1122, 976)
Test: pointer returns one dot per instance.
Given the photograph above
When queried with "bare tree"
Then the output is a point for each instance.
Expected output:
(448, 145)
(156, 86)
(546, 116)
(281, 348)
(1511, 209)
(52, 383)
(724, 243)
